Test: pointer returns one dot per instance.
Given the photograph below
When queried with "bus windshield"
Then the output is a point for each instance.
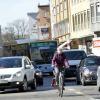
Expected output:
(43, 52)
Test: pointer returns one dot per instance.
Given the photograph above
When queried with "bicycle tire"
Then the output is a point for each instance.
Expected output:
(60, 85)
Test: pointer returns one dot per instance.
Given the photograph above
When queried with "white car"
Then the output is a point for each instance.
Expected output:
(17, 72)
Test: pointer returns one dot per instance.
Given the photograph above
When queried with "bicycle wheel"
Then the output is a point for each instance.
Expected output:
(60, 85)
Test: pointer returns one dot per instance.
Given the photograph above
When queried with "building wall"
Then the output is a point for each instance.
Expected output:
(80, 14)
(80, 24)
(43, 22)
(33, 30)
(60, 19)
(95, 16)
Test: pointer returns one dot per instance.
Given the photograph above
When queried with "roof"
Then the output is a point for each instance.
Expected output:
(43, 5)
(22, 41)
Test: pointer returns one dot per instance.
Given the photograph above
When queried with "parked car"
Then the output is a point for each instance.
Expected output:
(74, 57)
(87, 70)
(17, 72)
(38, 75)
(98, 78)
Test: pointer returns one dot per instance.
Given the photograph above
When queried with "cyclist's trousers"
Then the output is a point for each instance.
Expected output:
(56, 72)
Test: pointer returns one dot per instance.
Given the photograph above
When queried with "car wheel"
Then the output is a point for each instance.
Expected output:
(78, 80)
(24, 86)
(41, 82)
(2, 89)
(33, 84)
(99, 88)
(83, 81)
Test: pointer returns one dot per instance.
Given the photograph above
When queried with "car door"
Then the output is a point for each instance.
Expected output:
(27, 70)
(32, 69)
(81, 68)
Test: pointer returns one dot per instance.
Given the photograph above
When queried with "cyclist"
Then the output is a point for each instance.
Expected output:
(59, 62)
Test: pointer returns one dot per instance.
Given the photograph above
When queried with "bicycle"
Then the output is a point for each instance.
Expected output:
(61, 83)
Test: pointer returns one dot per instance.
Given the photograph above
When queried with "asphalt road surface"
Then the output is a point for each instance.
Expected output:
(46, 92)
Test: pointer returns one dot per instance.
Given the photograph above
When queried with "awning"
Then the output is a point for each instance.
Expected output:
(79, 36)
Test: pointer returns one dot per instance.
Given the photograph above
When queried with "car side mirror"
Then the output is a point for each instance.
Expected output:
(27, 66)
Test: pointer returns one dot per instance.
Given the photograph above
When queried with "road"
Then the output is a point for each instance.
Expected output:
(72, 92)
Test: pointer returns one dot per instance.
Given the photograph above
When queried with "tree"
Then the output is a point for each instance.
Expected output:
(20, 27)
(8, 34)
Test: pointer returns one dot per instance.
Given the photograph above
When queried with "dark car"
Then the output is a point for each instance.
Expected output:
(74, 57)
(38, 75)
(87, 70)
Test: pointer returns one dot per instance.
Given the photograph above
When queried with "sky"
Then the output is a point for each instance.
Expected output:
(11, 10)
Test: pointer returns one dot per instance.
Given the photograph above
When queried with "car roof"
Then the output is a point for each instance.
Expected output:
(92, 56)
(12, 57)
(72, 50)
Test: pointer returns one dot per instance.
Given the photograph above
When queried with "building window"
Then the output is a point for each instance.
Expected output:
(98, 11)
(57, 9)
(79, 21)
(44, 13)
(92, 13)
(65, 4)
(61, 7)
(88, 17)
(82, 20)
(85, 19)
(76, 22)
(73, 19)
(54, 11)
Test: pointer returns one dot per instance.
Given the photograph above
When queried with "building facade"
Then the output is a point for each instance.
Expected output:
(43, 22)
(95, 17)
(60, 11)
(32, 23)
(81, 32)
(70, 20)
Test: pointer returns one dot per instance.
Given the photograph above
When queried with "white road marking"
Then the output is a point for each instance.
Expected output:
(77, 92)
(81, 93)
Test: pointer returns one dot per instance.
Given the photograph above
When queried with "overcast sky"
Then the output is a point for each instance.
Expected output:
(11, 10)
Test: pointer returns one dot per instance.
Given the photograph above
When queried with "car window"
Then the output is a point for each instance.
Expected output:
(92, 61)
(10, 62)
(26, 62)
(75, 55)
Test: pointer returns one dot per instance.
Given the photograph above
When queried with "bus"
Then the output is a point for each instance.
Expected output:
(42, 53)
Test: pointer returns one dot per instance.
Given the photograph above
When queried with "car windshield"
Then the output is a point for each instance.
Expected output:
(92, 61)
(75, 55)
(10, 62)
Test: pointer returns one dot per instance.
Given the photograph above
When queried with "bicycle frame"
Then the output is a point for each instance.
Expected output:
(61, 83)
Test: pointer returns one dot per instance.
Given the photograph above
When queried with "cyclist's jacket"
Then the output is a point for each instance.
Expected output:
(59, 59)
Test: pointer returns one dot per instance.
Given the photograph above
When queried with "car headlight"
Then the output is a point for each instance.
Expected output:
(39, 73)
(18, 74)
(86, 72)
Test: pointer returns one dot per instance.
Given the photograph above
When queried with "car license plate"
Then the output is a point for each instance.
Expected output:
(3, 81)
